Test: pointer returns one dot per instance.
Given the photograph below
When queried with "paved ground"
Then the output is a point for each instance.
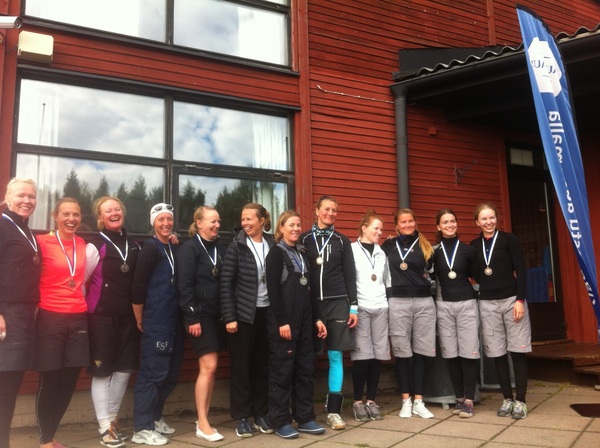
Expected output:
(550, 423)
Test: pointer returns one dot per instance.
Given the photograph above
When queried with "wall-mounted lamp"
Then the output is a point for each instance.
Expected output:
(10, 22)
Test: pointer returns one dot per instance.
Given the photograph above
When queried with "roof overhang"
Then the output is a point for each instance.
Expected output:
(491, 86)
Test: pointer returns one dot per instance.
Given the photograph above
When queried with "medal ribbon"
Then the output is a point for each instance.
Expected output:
(369, 256)
(123, 257)
(213, 261)
(320, 251)
(72, 267)
(294, 254)
(31, 241)
(408, 251)
(170, 258)
(485, 257)
(450, 263)
(260, 260)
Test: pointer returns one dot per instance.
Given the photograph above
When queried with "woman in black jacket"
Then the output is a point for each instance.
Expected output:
(244, 305)
(200, 264)
(19, 295)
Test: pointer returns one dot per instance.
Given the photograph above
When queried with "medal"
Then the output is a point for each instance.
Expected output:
(124, 266)
(71, 283)
(36, 259)
(404, 265)
(294, 255)
(320, 260)
(370, 257)
(487, 259)
(261, 260)
(172, 281)
(374, 277)
(215, 271)
(451, 274)
(72, 266)
(303, 281)
(263, 278)
(170, 258)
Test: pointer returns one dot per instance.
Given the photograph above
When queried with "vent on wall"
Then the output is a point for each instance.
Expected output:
(35, 47)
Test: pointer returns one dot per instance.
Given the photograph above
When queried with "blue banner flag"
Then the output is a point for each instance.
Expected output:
(557, 129)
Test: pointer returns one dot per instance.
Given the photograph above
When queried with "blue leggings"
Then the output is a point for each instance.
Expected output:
(336, 371)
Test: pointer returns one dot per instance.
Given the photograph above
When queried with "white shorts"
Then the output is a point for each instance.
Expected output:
(458, 328)
(412, 326)
(371, 335)
(499, 331)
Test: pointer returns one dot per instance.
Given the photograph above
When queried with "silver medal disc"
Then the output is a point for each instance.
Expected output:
(303, 281)
(403, 266)
(215, 271)
(319, 260)
(71, 283)
(36, 259)
(124, 268)
(488, 271)
(451, 275)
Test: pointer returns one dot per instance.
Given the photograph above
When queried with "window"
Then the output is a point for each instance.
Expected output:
(88, 141)
(256, 30)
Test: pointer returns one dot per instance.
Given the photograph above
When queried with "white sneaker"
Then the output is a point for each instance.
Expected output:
(336, 421)
(149, 437)
(420, 409)
(162, 427)
(407, 407)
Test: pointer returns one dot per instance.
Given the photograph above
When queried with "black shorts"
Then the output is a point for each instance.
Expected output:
(334, 314)
(213, 337)
(114, 344)
(61, 340)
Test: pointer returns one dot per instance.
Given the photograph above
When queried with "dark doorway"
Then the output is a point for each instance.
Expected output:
(531, 197)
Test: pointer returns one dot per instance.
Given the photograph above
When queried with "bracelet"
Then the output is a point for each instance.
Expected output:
(354, 309)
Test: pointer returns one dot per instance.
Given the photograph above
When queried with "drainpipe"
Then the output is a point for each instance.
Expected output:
(401, 147)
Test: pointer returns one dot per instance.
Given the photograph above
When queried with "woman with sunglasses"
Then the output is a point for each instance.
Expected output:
(19, 283)
(333, 288)
(505, 325)
(111, 257)
(457, 310)
(244, 306)
(156, 309)
(200, 265)
(411, 310)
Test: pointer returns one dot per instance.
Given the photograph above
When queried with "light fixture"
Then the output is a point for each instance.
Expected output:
(10, 22)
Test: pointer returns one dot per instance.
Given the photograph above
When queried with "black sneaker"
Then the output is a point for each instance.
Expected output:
(262, 424)
(243, 428)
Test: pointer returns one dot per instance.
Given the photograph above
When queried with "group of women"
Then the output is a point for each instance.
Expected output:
(274, 301)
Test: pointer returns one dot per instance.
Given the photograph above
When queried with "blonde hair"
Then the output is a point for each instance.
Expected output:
(17, 180)
(99, 202)
(198, 216)
(424, 244)
(483, 206)
(283, 218)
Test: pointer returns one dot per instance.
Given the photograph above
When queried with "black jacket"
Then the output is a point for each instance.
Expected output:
(239, 280)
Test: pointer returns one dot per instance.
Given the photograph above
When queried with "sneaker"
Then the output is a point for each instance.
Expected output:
(373, 411)
(214, 437)
(506, 408)
(110, 439)
(262, 424)
(467, 410)
(420, 409)
(458, 407)
(243, 428)
(286, 432)
(519, 410)
(117, 430)
(162, 427)
(360, 412)
(149, 437)
(311, 427)
(406, 411)
(335, 421)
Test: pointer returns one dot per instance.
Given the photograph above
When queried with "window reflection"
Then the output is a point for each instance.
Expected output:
(233, 29)
(138, 18)
(228, 196)
(229, 137)
(139, 187)
(61, 115)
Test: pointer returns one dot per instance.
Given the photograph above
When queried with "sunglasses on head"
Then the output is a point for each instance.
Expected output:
(158, 208)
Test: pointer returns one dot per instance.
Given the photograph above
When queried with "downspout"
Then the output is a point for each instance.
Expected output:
(401, 147)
